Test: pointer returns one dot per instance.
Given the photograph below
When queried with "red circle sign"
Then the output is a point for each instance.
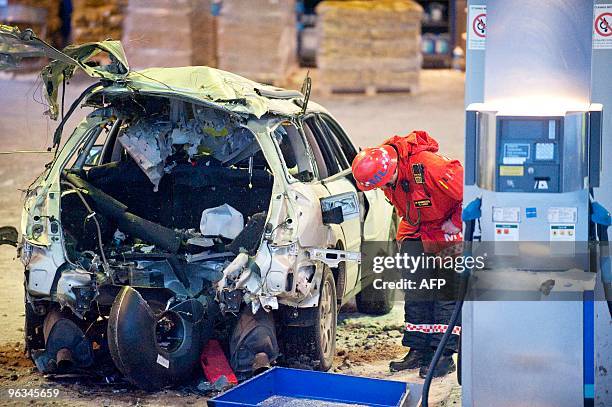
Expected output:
(479, 25)
(603, 24)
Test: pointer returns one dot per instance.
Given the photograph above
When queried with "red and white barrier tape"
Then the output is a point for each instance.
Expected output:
(431, 328)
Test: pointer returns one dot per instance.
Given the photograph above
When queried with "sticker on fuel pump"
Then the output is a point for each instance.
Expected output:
(506, 214)
(562, 233)
(516, 153)
(511, 171)
(477, 30)
(602, 26)
(506, 232)
(563, 214)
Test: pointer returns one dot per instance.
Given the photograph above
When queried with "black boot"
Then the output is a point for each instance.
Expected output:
(413, 359)
(445, 366)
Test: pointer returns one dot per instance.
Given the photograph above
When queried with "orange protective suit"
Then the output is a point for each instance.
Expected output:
(428, 191)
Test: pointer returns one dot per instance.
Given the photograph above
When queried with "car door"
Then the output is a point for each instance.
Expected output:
(377, 223)
(378, 212)
(335, 175)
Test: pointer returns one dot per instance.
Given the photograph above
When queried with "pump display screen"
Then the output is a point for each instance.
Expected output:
(527, 154)
(528, 129)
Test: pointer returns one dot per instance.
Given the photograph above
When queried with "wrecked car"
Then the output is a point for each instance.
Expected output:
(189, 203)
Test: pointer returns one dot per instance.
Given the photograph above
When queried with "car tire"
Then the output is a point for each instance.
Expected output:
(374, 302)
(378, 302)
(133, 339)
(326, 320)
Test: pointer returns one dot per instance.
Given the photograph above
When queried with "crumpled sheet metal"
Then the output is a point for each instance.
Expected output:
(146, 143)
(151, 142)
(214, 87)
(225, 89)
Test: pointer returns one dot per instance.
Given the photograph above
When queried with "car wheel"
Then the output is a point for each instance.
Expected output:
(373, 301)
(154, 349)
(309, 342)
(326, 321)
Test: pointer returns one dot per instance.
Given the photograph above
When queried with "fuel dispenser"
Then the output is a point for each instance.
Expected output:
(533, 175)
(534, 172)
(538, 117)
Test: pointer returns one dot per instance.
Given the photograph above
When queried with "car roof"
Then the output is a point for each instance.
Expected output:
(215, 87)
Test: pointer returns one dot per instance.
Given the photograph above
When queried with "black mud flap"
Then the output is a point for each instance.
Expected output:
(66, 346)
(154, 350)
(253, 346)
(9, 235)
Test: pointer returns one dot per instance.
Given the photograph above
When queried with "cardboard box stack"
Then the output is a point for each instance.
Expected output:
(157, 33)
(257, 39)
(203, 34)
(168, 33)
(97, 20)
(369, 45)
(49, 31)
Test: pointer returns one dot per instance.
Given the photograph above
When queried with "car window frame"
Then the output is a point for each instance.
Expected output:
(341, 135)
(290, 178)
(323, 145)
(333, 142)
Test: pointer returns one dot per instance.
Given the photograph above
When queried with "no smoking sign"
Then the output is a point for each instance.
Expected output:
(477, 31)
(479, 25)
(602, 26)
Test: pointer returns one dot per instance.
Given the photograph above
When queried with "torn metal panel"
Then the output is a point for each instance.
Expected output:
(151, 142)
(214, 87)
(76, 290)
(146, 143)
(333, 257)
(15, 45)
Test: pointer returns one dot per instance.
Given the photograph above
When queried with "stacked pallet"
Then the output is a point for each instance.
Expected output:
(257, 39)
(157, 33)
(97, 20)
(203, 34)
(50, 30)
(369, 46)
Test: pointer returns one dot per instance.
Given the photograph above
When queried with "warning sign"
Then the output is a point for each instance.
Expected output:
(602, 26)
(477, 27)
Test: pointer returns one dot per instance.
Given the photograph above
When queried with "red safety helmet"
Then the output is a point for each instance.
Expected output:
(374, 167)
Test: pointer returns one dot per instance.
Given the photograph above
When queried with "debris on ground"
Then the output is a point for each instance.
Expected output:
(278, 401)
(362, 340)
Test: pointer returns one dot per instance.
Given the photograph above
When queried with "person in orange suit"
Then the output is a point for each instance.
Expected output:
(426, 189)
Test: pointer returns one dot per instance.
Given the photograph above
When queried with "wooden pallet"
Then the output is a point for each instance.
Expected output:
(369, 90)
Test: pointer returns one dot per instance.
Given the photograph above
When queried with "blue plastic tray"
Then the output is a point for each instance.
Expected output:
(311, 386)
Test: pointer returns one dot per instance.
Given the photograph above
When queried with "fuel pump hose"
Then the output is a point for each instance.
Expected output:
(470, 214)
